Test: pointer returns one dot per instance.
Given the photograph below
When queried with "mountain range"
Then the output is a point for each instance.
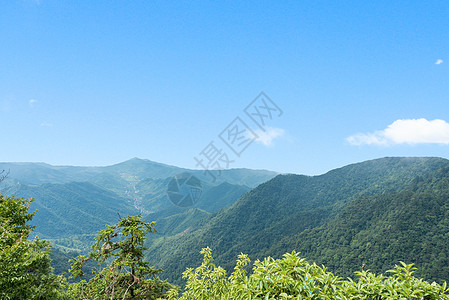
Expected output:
(372, 214)
(74, 203)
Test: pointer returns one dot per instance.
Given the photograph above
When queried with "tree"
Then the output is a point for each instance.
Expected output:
(25, 271)
(127, 276)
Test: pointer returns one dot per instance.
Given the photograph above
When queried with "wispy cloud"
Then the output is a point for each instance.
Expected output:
(266, 137)
(406, 131)
(46, 124)
(32, 102)
(439, 62)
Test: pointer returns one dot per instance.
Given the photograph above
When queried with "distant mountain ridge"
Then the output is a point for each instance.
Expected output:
(74, 202)
(130, 170)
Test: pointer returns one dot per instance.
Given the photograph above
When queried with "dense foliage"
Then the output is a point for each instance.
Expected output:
(25, 271)
(293, 277)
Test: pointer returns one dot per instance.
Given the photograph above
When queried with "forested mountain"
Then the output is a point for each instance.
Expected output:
(270, 219)
(74, 203)
(411, 225)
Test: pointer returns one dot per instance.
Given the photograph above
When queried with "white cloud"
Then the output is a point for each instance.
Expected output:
(407, 131)
(31, 102)
(266, 137)
(439, 62)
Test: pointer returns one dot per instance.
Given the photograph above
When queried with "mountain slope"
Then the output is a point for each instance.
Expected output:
(411, 226)
(179, 223)
(283, 207)
(221, 196)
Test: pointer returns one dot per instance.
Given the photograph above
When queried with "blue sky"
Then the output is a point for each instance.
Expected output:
(100, 82)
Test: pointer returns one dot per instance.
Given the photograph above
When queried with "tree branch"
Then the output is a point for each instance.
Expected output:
(3, 175)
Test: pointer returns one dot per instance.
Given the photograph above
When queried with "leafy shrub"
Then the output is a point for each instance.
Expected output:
(292, 277)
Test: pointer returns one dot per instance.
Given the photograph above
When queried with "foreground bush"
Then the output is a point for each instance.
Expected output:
(294, 278)
(25, 271)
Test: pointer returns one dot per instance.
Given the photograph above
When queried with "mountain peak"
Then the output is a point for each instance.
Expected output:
(137, 160)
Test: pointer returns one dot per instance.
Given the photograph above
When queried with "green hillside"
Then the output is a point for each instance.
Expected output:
(263, 221)
(179, 223)
(411, 225)
(221, 196)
